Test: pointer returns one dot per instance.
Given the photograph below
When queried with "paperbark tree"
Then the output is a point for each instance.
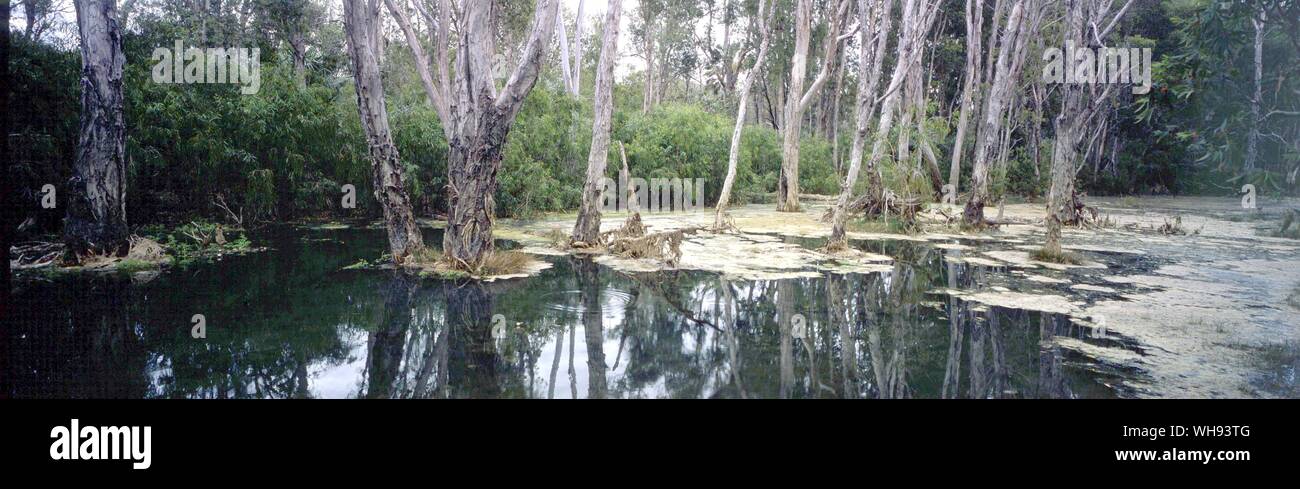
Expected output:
(787, 190)
(974, 51)
(1082, 18)
(481, 122)
(743, 87)
(572, 75)
(1011, 54)
(649, 10)
(917, 20)
(360, 21)
(476, 116)
(96, 218)
(587, 227)
(1252, 139)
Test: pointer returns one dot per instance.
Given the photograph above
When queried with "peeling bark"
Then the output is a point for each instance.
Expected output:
(96, 219)
(360, 23)
(916, 25)
(1072, 122)
(482, 118)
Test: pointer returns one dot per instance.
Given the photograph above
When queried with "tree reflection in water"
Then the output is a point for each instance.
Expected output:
(292, 325)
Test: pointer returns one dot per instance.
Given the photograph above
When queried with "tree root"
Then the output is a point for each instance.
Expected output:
(872, 206)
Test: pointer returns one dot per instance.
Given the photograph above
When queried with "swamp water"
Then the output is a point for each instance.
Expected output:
(291, 322)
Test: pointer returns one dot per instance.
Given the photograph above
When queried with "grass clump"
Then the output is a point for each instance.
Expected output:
(1055, 256)
(433, 264)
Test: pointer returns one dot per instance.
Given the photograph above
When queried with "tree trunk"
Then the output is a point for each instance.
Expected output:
(1252, 139)
(360, 19)
(648, 90)
(868, 81)
(587, 227)
(480, 125)
(96, 219)
(298, 44)
(974, 25)
(745, 85)
(572, 75)
(916, 25)
(787, 189)
(1071, 124)
(1010, 57)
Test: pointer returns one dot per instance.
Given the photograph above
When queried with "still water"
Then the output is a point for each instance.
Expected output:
(290, 323)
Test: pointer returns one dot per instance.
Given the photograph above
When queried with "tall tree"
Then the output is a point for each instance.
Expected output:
(293, 21)
(1084, 21)
(787, 190)
(764, 22)
(974, 50)
(361, 21)
(1021, 24)
(587, 227)
(572, 75)
(1257, 20)
(649, 11)
(96, 219)
(917, 19)
(476, 115)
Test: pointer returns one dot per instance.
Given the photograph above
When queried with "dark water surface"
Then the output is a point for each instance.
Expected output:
(289, 322)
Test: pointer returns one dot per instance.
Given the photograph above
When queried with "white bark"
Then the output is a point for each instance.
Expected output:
(917, 21)
(745, 84)
(1076, 114)
(799, 99)
(587, 227)
(974, 51)
(1011, 52)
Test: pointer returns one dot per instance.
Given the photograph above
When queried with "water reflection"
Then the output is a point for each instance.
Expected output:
(290, 323)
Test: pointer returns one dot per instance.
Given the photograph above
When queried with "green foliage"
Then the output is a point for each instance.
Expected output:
(196, 240)
(684, 141)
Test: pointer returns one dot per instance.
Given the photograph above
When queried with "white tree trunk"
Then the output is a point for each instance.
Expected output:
(1010, 58)
(787, 190)
(1252, 139)
(587, 227)
(974, 51)
(917, 20)
(744, 87)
